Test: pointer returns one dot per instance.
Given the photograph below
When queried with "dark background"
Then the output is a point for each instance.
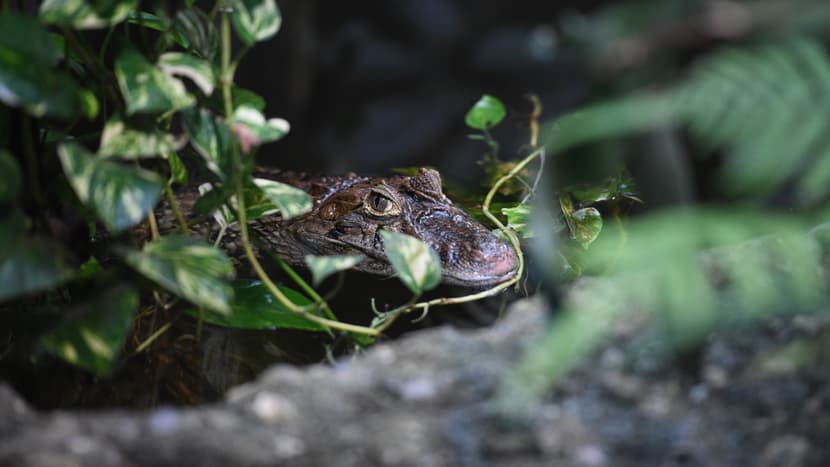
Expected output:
(372, 85)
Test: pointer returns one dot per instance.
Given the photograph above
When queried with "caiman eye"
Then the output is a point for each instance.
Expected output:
(380, 205)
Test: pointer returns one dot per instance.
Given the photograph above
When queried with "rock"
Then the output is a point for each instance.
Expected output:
(425, 400)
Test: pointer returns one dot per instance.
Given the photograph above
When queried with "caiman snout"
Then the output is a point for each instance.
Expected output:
(490, 261)
(470, 254)
(497, 260)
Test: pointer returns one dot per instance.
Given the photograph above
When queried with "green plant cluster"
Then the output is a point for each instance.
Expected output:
(98, 130)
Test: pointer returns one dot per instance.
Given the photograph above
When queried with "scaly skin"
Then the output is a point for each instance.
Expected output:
(350, 211)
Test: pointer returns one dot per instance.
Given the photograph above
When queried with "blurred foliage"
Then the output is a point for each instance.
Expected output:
(760, 248)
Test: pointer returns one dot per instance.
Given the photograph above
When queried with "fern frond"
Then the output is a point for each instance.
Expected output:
(770, 106)
(693, 270)
(767, 106)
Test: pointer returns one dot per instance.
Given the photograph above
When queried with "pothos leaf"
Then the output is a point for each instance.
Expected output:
(417, 264)
(255, 20)
(188, 268)
(120, 195)
(94, 339)
(146, 88)
(323, 266)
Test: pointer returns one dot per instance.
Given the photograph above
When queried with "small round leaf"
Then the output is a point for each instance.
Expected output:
(486, 113)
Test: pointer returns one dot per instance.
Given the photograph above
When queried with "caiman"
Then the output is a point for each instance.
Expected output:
(349, 212)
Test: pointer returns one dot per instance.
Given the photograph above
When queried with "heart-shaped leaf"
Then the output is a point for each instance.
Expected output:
(485, 114)
(197, 70)
(211, 138)
(146, 88)
(195, 26)
(187, 267)
(262, 130)
(324, 266)
(120, 195)
(86, 15)
(585, 224)
(121, 140)
(291, 201)
(28, 77)
(255, 20)
(417, 264)
(93, 339)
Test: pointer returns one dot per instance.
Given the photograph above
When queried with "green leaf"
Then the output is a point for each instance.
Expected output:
(289, 200)
(211, 201)
(197, 70)
(211, 138)
(585, 225)
(323, 266)
(193, 25)
(417, 264)
(30, 265)
(253, 307)
(40, 91)
(120, 140)
(187, 267)
(485, 114)
(120, 195)
(94, 339)
(151, 21)
(518, 218)
(255, 20)
(32, 82)
(89, 103)
(81, 15)
(9, 177)
(146, 88)
(178, 171)
(90, 268)
(244, 97)
(261, 130)
(26, 35)
(257, 204)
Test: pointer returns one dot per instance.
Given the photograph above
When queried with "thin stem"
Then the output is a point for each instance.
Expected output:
(277, 293)
(226, 81)
(324, 307)
(171, 199)
(147, 342)
(154, 227)
(226, 76)
(534, 119)
(392, 315)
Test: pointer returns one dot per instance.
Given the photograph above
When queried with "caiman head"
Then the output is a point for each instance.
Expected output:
(350, 212)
